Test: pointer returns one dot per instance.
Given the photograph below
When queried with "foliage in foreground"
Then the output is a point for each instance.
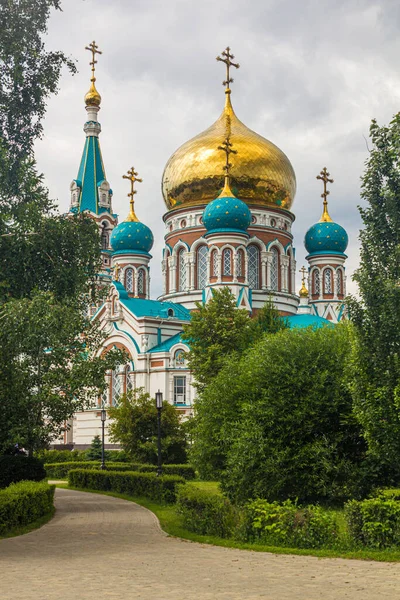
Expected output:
(61, 470)
(148, 485)
(16, 467)
(375, 373)
(282, 427)
(24, 502)
(134, 426)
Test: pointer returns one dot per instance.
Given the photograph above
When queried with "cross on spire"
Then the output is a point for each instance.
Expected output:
(227, 147)
(94, 49)
(226, 57)
(132, 176)
(303, 272)
(303, 291)
(324, 176)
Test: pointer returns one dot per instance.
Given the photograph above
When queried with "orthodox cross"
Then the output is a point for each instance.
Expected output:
(93, 48)
(226, 147)
(226, 57)
(132, 176)
(324, 176)
(303, 272)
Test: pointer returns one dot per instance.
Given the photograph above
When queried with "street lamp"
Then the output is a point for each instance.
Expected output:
(103, 422)
(159, 405)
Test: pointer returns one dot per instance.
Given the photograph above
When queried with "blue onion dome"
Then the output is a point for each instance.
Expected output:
(132, 236)
(326, 236)
(226, 213)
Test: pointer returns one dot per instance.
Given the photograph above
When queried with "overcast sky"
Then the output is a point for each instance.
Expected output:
(313, 74)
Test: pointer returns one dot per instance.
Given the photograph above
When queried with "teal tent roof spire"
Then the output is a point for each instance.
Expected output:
(90, 191)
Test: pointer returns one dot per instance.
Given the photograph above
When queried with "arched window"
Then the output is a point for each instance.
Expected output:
(128, 379)
(227, 261)
(274, 269)
(339, 282)
(104, 238)
(239, 263)
(129, 280)
(328, 288)
(140, 282)
(179, 358)
(253, 267)
(115, 387)
(215, 261)
(105, 397)
(202, 275)
(316, 283)
(182, 270)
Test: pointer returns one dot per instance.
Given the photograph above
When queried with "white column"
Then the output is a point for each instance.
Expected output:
(246, 268)
(148, 283)
(235, 260)
(284, 273)
(264, 261)
(219, 266)
(191, 260)
(164, 277)
(293, 275)
(172, 274)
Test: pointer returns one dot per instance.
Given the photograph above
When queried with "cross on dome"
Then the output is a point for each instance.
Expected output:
(132, 176)
(94, 49)
(303, 291)
(93, 97)
(227, 147)
(324, 176)
(226, 57)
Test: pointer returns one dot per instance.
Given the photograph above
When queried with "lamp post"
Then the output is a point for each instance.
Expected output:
(103, 422)
(159, 405)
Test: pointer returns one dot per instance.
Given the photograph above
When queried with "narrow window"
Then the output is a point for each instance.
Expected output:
(140, 282)
(202, 275)
(179, 390)
(239, 264)
(339, 283)
(215, 263)
(328, 281)
(227, 261)
(129, 379)
(182, 271)
(253, 267)
(104, 239)
(115, 387)
(317, 284)
(129, 280)
(274, 269)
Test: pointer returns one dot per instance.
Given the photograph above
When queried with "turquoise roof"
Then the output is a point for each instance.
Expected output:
(91, 174)
(326, 237)
(130, 236)
(226, 214)
(167, 345)
(302, 321)
(151, 308)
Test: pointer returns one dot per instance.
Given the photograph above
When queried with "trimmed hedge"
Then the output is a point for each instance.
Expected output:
(61, 470)
(205, 512)
(374, 523)
(61, 456)
(17, 467)
(24, 502)
(161, 489)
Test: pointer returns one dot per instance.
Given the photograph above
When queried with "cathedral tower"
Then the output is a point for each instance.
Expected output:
(326, 242)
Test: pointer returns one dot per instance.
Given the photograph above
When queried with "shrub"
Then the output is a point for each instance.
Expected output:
(61, 470)
(14, 468)
(374, 523)
(205, 512)
(290, 525)
(24, 502)
(161, 489)
(59, 456)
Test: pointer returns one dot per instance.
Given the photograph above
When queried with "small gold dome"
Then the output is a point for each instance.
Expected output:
(261, 172)
(303, 293)
(93, 97)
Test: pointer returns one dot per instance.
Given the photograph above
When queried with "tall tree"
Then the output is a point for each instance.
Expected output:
(375, 373)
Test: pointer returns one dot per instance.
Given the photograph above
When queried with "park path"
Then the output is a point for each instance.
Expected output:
(103, 548)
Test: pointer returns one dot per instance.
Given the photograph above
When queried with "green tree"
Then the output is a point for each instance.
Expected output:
(375, 365)
(134, 426)
(95, 450)
(216, 329)
(49, 369)
(282, 427)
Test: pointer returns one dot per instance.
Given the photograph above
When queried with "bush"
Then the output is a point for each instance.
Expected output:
(58, 456)
(289, 525)
(205, 512)
(374, 523)
(61, 470)
(161, 489)
(24, 502)
(14, 468)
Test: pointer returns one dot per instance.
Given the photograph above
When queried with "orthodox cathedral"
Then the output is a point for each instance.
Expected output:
(228, 194)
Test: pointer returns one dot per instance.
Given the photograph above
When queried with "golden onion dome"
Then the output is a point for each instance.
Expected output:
(261, 172)
(93, 97)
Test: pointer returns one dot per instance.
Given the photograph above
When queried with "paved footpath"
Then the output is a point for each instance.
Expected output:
(103, 548)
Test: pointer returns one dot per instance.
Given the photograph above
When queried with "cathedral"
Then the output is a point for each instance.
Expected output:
(228, 194)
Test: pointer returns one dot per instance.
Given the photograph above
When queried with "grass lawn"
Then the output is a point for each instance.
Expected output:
(171, 523)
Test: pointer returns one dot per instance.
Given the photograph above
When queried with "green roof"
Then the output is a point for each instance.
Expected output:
(301, 321)
(151, 308)
(167, 345)
(90, 175)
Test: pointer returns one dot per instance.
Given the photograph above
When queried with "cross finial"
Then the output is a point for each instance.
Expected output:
(226, 57)
(303, 272)
(132, 176)
(303, 291)
(324, 176)
(94, 49)
(227, 147)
